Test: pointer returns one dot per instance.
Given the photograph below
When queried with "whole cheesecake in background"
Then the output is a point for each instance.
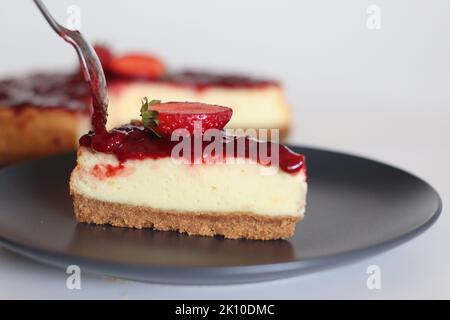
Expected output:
(256, 103)
(44, 114)
(127, 177)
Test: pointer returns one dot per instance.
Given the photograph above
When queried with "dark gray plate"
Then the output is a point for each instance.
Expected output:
(355, 207)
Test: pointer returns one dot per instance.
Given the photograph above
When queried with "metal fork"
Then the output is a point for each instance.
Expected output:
(90, 63)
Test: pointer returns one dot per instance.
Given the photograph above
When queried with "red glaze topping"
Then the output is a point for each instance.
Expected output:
(133, 143)
(198, 80)
(203, 80)
(46, 90)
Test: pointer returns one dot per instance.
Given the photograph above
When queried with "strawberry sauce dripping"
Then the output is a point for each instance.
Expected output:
(98, 118)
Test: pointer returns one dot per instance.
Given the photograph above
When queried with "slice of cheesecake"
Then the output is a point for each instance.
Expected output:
(129, 177)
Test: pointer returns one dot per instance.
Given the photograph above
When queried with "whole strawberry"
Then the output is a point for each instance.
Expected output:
(137, 65)
(104, 55)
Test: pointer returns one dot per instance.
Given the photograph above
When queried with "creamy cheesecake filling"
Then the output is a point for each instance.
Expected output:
(163, 184)
(253, 107)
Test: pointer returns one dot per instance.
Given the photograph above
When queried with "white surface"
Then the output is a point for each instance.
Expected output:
(383, 94)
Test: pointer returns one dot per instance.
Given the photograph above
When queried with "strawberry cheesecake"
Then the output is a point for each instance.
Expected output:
(176, 169)
(44, 114)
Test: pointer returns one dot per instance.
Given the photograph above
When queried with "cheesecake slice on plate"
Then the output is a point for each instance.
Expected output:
(140, 176)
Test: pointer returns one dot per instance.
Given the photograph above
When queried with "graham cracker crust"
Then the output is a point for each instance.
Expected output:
(230, 225)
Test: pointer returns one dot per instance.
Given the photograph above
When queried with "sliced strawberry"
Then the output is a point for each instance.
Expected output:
(137, 66)
(104, 54)
(165, 118)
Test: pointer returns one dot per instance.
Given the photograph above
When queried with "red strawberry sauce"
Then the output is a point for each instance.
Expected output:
(133, 143)
(107, 171)
(47, 91)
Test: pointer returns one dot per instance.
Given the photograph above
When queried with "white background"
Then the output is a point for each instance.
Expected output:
(378, 93)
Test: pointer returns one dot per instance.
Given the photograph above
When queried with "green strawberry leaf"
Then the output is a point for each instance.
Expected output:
(149, 117)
